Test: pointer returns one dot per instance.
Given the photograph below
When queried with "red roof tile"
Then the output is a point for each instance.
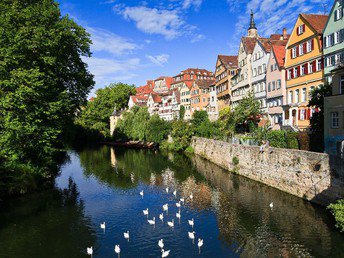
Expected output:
(229, 61)
(279, 52)
(249, 43)
(156, 98)
(317, 21)
(204, 84)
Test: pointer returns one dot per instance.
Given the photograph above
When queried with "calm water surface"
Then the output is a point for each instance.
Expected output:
(231, 213)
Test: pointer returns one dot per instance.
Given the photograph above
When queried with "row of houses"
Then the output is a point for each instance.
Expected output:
(281, 71)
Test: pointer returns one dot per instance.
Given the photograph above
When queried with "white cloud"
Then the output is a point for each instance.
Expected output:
(166, 22)
(107, 41)
(159, 59)
(189, 3)
(108, 70)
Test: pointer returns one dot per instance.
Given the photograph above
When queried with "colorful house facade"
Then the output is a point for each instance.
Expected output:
(304, 68)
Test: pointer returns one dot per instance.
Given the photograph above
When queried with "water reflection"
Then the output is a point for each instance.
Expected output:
(231, 213)
(50, 224)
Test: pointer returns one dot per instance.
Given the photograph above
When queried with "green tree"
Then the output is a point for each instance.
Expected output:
(96, 113)
(140, 124)
(43, 79)
(226, 122)
(317, 121)
(181, 134)
(246, 113)
(157, 129)
(181, 112)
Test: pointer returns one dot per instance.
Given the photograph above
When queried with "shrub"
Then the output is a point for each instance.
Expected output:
(235, 161)
(189, 150)
(337, 209)
(157, 129)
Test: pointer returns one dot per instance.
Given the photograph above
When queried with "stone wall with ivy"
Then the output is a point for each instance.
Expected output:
(305, 174)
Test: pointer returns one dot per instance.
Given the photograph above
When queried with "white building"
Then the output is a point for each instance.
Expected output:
(212, 108)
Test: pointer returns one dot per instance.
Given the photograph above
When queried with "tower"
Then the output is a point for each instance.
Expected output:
(252, 30)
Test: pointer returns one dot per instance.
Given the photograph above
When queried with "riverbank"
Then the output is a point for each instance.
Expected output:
(133, 144)
(308, 175)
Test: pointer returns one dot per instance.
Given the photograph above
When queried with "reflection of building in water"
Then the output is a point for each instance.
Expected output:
(113, 157)
(168, 177)
(152, 179)
(247, 223)
(202, 193)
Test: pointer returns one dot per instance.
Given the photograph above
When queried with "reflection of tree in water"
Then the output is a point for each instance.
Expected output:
(293, 228)
(48, 224)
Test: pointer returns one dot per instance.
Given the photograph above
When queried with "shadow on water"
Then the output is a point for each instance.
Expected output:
(48, 224)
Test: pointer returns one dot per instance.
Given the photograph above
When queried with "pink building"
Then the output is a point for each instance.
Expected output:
(276, 86)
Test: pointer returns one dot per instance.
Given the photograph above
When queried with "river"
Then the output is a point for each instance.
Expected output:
(231, 213)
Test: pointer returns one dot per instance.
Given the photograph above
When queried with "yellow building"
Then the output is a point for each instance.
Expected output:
(304, 68)
(226, 68)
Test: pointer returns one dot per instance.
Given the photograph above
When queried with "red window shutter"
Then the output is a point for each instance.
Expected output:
(298, 31)
(299, 114)
(304, 45)
(308, 113)
(322, 64)
(306, 68)
(297, 51)
(304, 27)
(292, 73)
(312, 44)
(291, 53)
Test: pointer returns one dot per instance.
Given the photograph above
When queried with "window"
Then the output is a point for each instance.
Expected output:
(269, 87)
(319, 64)
(303, 114)
(264, 68)
(279, 84)
(309, 46)
(297, 96)
(290, 98)
(338, 14)
(271, 68)
(310, 68)
(341, 85)
(334, 120)
(275, 66)
(289, 74)
(273, 85)
(303, 96)
(336, 37)
(300, 29)
(293, 52)
(301, 49)
(295, 72)
(302, 70)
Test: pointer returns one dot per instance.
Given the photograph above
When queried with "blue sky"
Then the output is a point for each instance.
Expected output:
(138, 40)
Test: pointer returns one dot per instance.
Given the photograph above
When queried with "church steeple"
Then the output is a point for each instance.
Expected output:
(252, 30)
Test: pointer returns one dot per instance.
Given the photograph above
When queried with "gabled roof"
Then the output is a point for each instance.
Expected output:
(177, 94)
(229, 61)
(316, 21)
(139, 100)
(156, 98)
(204, 84)
(249, 43)
(196, 70)
(279, 52)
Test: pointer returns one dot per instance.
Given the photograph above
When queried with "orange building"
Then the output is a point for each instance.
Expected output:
(200, 95)
(304, 68)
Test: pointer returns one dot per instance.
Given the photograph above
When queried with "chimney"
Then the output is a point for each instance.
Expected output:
(284, 33)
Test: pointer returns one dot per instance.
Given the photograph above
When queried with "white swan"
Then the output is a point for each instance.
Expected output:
(90, 251)
(191, 196)
(178, 204)
(191, 223)
(165, 207)
(175, 193)
(192, 235)
(161, 216)
(165, 253)
(151, 221)
(145, 212)
(170, 223)
(182, 200)
(167, 189)
(161, 243)
(117, 249)
(200, 244)
(126, 235)
(271, 205)
(178, 215)
(141, 193)
(103, 226)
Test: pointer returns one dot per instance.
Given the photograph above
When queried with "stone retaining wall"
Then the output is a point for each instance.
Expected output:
(302, 173)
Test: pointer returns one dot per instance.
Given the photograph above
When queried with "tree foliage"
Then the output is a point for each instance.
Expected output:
(43, 79)
(96, 113)
(317, 120)
(337, 210)
(157, 129)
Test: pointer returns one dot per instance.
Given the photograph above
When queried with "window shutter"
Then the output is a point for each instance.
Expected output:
(303, 27)
(314, 66)
(297, 51)
(304, 45)
(292, 73)
(298, 30)
(299, 114)
(312, 44)
(306, 68)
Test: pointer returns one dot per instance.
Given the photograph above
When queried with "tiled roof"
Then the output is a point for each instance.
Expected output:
(229, 61)
(317, 21)
(189, 84)
(156, 98)
(249, 43)
(196, 70)
(139, 100)
(279, 54)
(204, 84)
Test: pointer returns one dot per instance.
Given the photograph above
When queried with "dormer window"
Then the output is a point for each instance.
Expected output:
(301, 29)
